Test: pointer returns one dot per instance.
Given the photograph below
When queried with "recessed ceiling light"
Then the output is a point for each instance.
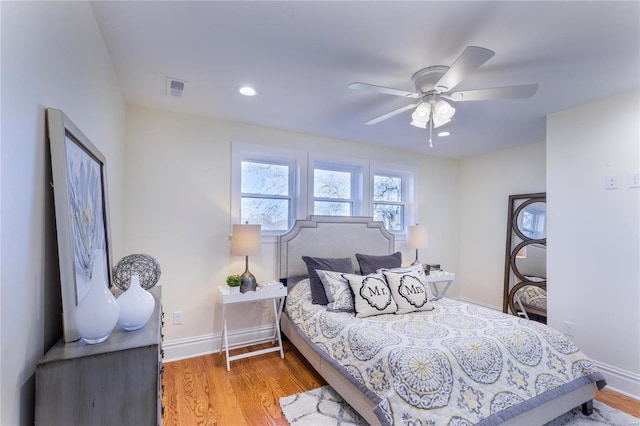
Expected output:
(247, 91)
(443, 134)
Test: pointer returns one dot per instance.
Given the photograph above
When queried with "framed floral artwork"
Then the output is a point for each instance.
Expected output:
(81, 209)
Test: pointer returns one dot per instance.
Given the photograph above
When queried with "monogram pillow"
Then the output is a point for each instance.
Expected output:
(410, 291)
(338, 291)
(371, 294)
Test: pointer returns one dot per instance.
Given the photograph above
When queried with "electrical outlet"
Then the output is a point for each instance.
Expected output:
(177, 318)
(634, 180)
(611, 182)
(569, 328)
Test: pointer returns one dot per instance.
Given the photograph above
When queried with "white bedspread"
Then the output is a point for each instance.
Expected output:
(458, 364)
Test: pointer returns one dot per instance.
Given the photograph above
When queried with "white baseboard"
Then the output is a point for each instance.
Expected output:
(475, 302)
(619, 380)
(190, 347)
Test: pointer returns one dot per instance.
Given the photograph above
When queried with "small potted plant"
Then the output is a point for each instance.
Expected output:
(234, 281)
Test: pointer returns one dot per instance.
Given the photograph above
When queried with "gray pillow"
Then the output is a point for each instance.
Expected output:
(370, 264)
(338, 291)
(318, 294)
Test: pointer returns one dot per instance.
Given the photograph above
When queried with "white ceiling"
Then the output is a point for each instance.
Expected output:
(301, 56)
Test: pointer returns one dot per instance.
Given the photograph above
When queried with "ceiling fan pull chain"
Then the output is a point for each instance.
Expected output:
(431, 128)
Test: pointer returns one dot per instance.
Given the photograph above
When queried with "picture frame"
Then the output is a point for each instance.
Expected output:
(82, 214)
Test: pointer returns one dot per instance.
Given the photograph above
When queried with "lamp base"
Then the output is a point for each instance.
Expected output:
(247, 282)
(416, 262)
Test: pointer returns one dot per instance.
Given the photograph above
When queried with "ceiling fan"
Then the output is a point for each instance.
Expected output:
(433, 89)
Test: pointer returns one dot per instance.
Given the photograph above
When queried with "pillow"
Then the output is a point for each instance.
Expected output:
(410, 291)
(370, 264)
(318, 295)
(371, 295)
(338, 291)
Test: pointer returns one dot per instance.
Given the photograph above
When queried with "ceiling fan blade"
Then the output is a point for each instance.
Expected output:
(385, 90)
(469, 60)
(509, 92)
(390, 114)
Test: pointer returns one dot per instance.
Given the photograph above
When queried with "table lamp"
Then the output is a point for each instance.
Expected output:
(245, 241)
(417, 239)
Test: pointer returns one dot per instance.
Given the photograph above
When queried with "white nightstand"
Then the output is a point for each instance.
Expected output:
(436, 277)
(276, 294)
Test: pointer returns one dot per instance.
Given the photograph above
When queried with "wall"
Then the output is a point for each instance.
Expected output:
(53, 55)
(486, 182)
(594, 234)
(178, 210)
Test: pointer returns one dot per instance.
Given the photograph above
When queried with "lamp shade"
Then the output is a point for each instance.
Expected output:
(245, 240)
(417, 236)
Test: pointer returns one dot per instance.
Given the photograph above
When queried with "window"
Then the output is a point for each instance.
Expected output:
(333, 191)
(272, 186)
(265, 194)
(533, 223)
(389, 201)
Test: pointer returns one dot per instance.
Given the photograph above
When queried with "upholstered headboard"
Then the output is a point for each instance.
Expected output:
(334, 237)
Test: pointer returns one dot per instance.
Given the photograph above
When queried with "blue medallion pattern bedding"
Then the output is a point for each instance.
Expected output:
(458, 364)
(533, 296)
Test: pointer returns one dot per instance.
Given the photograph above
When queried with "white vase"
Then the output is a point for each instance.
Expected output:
(136, 306)
(97, 313)
(234, 290)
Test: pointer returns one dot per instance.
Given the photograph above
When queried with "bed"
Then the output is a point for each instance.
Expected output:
(426, 367)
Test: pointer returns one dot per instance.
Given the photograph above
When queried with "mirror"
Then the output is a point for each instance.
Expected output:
(525, 279)
(531, 220)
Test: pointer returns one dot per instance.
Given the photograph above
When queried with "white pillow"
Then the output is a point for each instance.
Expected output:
(410, 291)
(338, 291)
(372, 295)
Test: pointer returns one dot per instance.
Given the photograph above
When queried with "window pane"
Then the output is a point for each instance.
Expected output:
(391, 214)
(387, 188)
(272, 214)
(331, 208)
(331, 184)
(264, 178)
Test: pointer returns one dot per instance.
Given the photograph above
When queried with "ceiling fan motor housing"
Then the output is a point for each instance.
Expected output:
(425, 79)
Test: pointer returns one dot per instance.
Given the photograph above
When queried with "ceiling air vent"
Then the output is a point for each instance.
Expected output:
(175, 87)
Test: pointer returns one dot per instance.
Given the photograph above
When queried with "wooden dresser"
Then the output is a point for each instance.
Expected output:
(117, 382)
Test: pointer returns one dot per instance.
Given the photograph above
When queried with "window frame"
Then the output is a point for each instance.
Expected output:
(289, 198)
(359, 169)
(296, 161)
(408, 175)
(355, 200)
(302, 168)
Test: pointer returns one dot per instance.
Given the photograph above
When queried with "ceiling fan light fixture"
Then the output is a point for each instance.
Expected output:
(420, 124)
(443, 110)
(439, 122)
(424, 109)
(420, 116)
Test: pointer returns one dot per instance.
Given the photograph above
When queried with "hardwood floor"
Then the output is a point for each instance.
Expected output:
(200, 391)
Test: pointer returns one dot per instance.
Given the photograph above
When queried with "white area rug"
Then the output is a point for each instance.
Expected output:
(324, 407)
